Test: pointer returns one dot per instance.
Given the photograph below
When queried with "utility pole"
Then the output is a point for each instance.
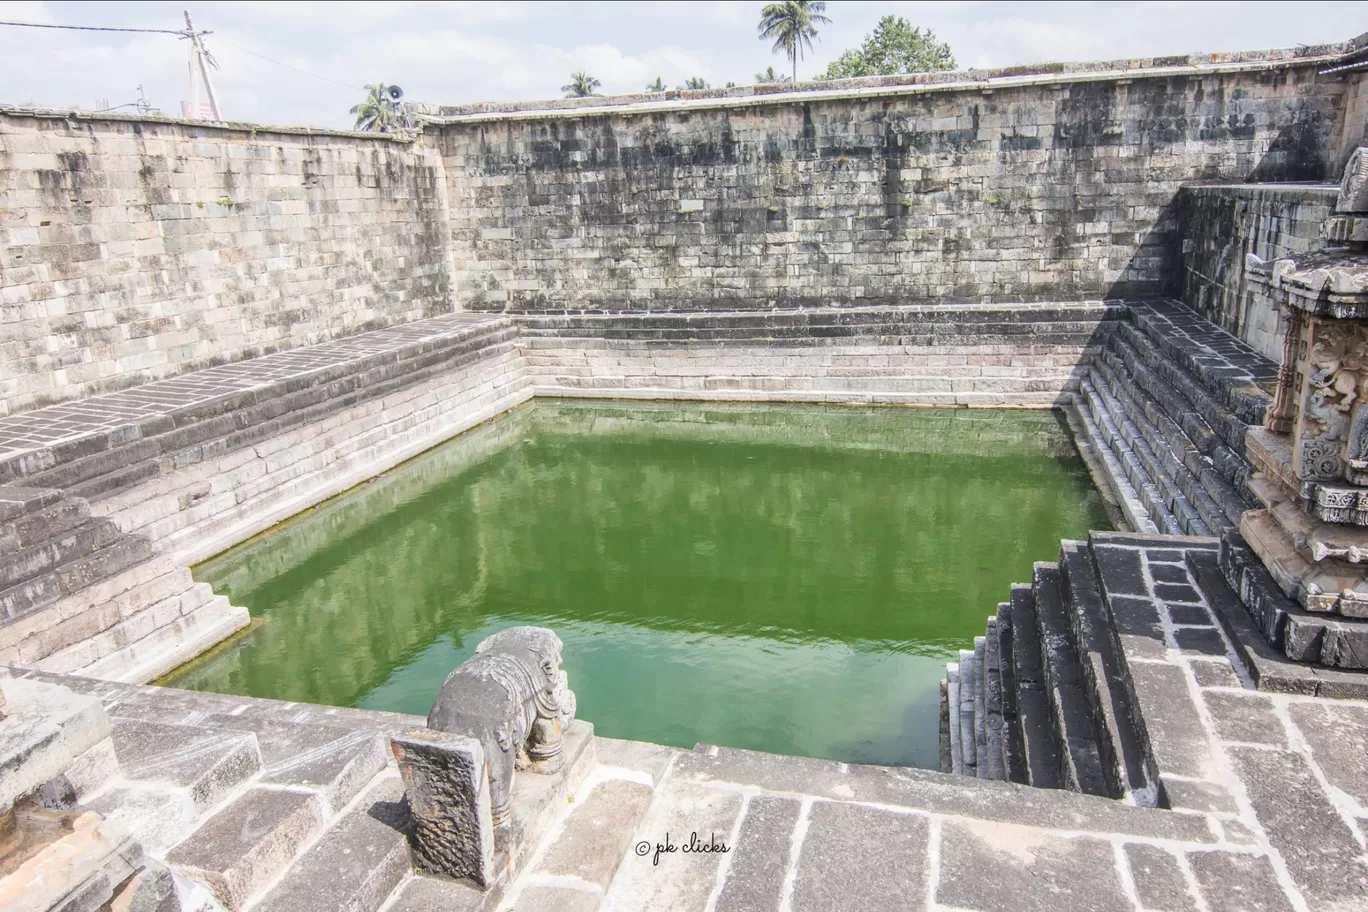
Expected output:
(199, 58)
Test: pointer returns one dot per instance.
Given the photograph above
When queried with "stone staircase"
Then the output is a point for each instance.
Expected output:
(264, 805)
(99, 523)
(1025, 355)
(1041, 700)
(1167, 403)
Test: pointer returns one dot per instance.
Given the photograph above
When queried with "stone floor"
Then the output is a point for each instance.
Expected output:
(288, 806)
(68, 421)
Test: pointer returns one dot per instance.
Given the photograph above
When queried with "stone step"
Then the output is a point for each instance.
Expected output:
(994, 766)
(1111, 426)
(336, 762)
(954, 761)
(1013, 743)
(1205, 420)
(81, 566)
(1156, 461)
(54, 551)
(248, 843)
(17, 501)
(1184, 435)
(1179, 467)
(208, 764)
(1328, 640)
(357, 863)
(210, 429)
(1228, 369)
(982, 762)
(1040, 745)
(1103, 670)
(577, 869)
(180, 639)
(533, 323)
(1268, 668)
(968, 671)
(1080, 766)
(41, 525)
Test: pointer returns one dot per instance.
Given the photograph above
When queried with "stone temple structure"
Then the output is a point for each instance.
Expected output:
(208, 328)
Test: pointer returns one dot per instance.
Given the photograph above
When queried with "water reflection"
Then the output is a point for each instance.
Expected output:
(782, 578)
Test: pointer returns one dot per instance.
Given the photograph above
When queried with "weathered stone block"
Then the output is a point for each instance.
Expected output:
(447, 780)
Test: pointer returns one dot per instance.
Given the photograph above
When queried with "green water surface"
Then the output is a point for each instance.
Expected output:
(783, 578)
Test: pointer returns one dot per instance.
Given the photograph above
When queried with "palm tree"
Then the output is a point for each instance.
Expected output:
(772, 76)
(581, 85)
(379, 113)
(792, 24)
(695, 82)
(657, 86)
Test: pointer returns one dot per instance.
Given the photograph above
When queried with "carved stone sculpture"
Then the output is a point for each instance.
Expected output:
(515, 700)
(506, 708)
(1312, 452)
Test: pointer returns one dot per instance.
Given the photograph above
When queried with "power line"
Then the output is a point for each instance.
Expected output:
(289, 66)
(183, 34)
(92, 28)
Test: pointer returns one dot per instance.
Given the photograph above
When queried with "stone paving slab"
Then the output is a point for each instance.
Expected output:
(856, 858)
(936, 793)
(1008, 868)
(70, 421)
(755, 880)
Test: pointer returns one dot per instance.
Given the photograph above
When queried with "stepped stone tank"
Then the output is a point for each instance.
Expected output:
(1170, 717)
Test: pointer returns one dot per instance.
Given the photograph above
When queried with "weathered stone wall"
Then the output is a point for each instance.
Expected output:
(1218, 226)
(132, 250)
(1046, 187)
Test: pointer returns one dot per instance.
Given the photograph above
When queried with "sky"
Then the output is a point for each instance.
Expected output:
(305, 63)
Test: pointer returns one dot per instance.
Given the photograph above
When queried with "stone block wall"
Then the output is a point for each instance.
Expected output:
(132, 250)
(1001, 190)
(1218, 226)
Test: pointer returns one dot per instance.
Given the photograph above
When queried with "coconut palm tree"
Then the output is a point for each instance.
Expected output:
(581, 85)
(771, 75)
(378, 113)
(792, 24)
(657, 86)
(695, 82)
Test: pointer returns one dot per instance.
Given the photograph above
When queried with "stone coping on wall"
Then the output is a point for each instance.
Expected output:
(903, 84)
(235, 126)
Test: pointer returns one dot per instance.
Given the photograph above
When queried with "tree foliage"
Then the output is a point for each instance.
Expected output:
(581, 85)
(792, 25)
(893, 47)
(657, 86)
(771, 75)
(695, 82)
(378, 113)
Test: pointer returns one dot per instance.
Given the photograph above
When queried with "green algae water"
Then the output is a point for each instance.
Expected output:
(782, 578)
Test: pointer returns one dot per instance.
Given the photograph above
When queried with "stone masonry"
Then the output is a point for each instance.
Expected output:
(1001, 186)
(135, 249)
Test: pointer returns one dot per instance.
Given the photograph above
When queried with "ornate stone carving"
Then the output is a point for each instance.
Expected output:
(1282, 414)
(1312, 452)
(515, 700)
